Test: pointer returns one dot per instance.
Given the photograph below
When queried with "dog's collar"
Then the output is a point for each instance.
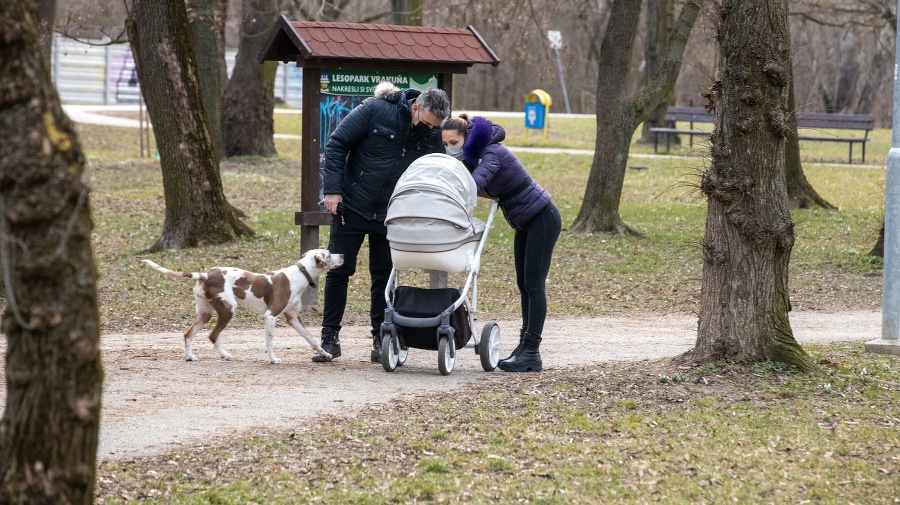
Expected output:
(309, 278)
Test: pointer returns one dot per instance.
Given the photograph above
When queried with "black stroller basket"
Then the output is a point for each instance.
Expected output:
(420, 315)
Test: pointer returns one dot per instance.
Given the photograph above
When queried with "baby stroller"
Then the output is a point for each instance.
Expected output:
(431, 226)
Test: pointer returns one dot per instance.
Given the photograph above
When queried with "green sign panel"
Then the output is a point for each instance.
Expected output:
(349, 82)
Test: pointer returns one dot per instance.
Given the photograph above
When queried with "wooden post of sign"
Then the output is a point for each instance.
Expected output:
(308, 218)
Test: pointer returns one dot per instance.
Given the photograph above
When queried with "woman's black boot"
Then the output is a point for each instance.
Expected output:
(528, 357)
(518, 347)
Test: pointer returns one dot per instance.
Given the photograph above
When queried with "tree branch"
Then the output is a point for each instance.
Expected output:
(654, 93)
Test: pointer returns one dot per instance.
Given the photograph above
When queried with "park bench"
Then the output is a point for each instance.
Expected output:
(807, 120)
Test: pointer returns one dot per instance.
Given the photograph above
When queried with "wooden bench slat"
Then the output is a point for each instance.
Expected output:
(680, 131)
(824, 138)
(805, 120)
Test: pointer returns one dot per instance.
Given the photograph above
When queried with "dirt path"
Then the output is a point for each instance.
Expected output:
(154, 401)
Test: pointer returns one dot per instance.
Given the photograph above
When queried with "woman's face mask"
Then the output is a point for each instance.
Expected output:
(455, 151)
(453, 143)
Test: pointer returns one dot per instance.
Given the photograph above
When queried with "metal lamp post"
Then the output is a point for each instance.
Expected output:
(889, 343)
(555, 37)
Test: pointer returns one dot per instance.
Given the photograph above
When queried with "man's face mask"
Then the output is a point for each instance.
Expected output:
(422, 128)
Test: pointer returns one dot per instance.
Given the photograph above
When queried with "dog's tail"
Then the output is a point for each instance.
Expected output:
(171, 273)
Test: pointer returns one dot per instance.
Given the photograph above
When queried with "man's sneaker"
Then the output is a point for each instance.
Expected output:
(330, 344)
(375, 356)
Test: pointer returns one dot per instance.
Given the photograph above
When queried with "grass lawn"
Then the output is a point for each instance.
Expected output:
(647, 432)
(579, 133)
(591, 274)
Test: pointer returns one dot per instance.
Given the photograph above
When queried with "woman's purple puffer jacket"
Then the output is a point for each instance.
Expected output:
(499, 174)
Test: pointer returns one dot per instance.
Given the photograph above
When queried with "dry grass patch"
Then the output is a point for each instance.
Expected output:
(643, 432)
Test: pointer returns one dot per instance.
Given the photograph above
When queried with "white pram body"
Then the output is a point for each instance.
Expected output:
(430, 217)
(431, 225)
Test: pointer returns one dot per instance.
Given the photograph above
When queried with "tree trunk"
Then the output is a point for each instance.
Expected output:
(196, 209)
(618, 117)
(878, 248)
(324, 10)
(222, 8)
(248, 126)
(615, 124)
(801, 194)
(873, 85)
(407, 12)
(659, 23)
(850, 73)
(50, 426)
(206, 19)
(744, 298)
(45, 16)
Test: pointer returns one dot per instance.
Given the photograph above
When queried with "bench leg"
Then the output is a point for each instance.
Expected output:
(655, 141)
(850, 159)
(864, 153)
(668, 136)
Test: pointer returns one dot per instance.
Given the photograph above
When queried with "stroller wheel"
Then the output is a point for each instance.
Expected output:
(445, 359)
(389, 359)
(489, 346)
(401, 357)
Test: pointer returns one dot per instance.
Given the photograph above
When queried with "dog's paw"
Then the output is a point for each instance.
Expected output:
(326, 355)
(191, 358)
(274, 360)
(226, 356)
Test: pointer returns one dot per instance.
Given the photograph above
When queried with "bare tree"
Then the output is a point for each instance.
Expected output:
(45, 15)
(878, 17)
(744, 297)
(206, 19)
(408, 12)
(517, 31)
(197, 211)
(801, 194)
(846, 53)
(333, 10)
(660, 18)
(249, 100)
(50, 426)
(248, 125)
(619, 116)
(867, 13)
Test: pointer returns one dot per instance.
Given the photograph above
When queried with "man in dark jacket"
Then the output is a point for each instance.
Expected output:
(364, 157)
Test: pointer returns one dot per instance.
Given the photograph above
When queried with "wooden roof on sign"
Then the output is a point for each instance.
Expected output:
(316, 44)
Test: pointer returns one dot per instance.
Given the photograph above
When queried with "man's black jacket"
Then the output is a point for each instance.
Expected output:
(369, 151)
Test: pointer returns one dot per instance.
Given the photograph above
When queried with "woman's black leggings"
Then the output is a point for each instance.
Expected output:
(533, 250)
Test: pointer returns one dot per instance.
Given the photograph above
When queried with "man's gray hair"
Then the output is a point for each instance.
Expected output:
(435, 101)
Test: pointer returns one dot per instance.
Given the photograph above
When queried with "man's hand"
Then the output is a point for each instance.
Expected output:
(331, 203)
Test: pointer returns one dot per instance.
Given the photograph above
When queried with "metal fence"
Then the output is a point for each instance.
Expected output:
(93, 73)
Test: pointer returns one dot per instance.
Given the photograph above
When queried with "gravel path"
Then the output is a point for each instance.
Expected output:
(154, 401)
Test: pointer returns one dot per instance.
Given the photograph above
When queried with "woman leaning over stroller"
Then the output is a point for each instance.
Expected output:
(500, 175)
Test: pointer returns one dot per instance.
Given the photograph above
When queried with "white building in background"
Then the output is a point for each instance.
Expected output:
(90, 73)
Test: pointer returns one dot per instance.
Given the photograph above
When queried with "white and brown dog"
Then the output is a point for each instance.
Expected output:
(221, 289)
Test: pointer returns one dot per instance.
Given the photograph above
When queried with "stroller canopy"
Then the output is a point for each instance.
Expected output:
(432, 206)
